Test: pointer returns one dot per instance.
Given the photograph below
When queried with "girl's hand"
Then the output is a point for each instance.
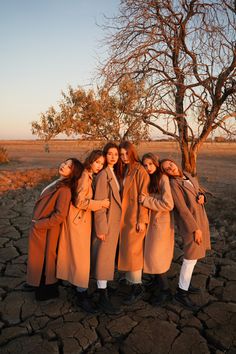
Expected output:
(140, 227)
(106, 203)
(101, 237)
(198, 237)
(141, 198)
(201, 199)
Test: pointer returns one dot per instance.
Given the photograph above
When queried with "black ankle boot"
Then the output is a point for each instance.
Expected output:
(137, 293)
(162, 298)
(46, 292)
(182, 297)
(193, 290)
(85, 303)
(105, 304)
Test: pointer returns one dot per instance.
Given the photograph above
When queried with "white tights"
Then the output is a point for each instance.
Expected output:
(186, 272)
(102, 284)
(134, 277)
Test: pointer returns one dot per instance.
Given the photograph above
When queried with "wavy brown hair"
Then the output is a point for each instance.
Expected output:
(72, 181)
(154, 185)
(93, 156)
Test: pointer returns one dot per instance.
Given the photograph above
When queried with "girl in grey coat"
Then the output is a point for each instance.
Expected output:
(192, 223)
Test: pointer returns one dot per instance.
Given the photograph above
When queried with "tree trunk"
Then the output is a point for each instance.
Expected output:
(189, 158)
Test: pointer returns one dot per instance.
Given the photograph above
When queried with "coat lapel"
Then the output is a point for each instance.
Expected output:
(48, 191)
(191, 187)
(113, 185)
(129, 179)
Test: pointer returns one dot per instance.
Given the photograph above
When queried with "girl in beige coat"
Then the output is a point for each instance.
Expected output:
(134, 220)
(193, 226)
(74, 247)
(49, 215)
(159, 241)
(107, 226)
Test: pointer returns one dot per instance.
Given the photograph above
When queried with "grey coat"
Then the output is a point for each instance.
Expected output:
(106, 222)
(190, 216)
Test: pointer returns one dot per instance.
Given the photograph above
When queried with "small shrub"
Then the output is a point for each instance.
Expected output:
(3, 155)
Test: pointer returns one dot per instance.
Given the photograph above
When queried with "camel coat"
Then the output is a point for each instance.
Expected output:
(159, 241)
(73, 262)
(190, 216)
(50, 212)
(106, 222)
(131, 241)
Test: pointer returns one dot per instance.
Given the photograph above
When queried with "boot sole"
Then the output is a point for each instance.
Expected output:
(193, 309)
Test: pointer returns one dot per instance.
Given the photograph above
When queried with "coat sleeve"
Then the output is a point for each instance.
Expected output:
(142, 185)
(165, 201)
(83, 201)
(60, 210)
(187, 219)
(100, 216)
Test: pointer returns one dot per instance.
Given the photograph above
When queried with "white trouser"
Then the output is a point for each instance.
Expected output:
(186, 272)
(102, 284)
(134, 277)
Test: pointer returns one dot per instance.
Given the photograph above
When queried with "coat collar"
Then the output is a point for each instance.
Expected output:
(113, 185)
(193, 188)
(130, 177)
(50, 190)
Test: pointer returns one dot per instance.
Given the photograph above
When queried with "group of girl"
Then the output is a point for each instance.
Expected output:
(131, 226)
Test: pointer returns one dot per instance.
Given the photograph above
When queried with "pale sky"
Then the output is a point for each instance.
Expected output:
(45, 46)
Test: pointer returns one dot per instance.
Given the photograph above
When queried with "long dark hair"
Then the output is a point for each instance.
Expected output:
(154, 185)
(117, 166)
(72, 181)
(93, 156)
(163, 171)
(132, 154)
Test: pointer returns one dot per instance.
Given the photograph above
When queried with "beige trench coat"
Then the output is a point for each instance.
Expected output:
(106, 222)
(190, 216)
(73, 262)
(50, 210)
(131, 241)
(159, 241)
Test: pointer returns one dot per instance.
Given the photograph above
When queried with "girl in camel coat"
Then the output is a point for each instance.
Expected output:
(49, 214)
(74, 248)
(193, 226)
(159, 241)
(107, 226)
(134, 220)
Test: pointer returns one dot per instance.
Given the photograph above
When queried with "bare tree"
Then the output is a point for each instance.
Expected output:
(185, 53)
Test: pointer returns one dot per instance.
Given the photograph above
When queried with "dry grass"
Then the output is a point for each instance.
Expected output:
(216, 161)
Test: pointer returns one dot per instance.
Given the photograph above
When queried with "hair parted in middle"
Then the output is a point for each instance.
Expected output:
(132, 154)
(154, 185)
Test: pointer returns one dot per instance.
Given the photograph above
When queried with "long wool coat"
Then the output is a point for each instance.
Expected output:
(73, 262)
(106, 222)
(131, 241)
(50, 212)
(159, 241)
(190, 216)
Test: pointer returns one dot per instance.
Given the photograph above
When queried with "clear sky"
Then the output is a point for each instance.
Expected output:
(45, 46)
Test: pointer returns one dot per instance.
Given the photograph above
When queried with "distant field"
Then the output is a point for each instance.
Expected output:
(216, 161)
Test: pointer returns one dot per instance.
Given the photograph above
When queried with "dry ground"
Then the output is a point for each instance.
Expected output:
(60, 326)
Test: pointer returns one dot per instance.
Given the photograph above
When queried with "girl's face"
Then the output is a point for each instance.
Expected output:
(97, 165)
(112, 157)
(65, 168)
(124, 156)
(149, 166)
(170, 168)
